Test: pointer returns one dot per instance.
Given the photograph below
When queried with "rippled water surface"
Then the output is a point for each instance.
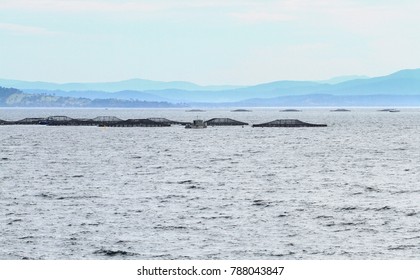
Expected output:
(347, 191)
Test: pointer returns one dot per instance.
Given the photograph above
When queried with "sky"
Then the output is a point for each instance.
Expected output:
(209, 42)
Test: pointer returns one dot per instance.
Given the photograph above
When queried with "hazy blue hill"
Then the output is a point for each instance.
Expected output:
(406, 74)
(10, 97)
(126, 94)
(25, 85)
(386, 87)
(405, 82)
(267, 90)
(133, 84)
(341, 79)
(280, 88)
(281, 85)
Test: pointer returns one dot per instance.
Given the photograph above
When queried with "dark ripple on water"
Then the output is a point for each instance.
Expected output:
(113, 253)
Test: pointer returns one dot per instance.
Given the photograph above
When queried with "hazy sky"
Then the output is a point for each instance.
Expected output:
(208, 41)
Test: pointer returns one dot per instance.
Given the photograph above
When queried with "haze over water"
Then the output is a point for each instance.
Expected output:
(346, 191)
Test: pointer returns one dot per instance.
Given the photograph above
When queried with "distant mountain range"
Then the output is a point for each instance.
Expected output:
(351, 90)
(131, 85)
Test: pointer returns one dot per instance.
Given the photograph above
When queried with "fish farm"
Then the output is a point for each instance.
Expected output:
(109, 121)
(112, 121)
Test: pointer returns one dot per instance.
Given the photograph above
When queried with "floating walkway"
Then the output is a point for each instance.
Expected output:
(288, 123)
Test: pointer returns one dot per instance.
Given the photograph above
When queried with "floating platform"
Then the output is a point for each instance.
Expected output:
(224, 122)
(197, 124)
(288, 123)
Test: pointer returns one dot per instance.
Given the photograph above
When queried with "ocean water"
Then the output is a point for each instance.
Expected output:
(347, 191)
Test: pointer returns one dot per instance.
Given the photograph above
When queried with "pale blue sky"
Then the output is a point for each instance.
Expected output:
(207, 42)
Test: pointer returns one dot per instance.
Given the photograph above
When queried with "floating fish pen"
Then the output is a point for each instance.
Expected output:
(340, 110)
(389, 110)
(195, 110)
(28, 121)
(65, 121)
(241, 110)
(166, 121)
(105, 120)
(290, 110)
(224, 122)
(137, 123)
(288, 123)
